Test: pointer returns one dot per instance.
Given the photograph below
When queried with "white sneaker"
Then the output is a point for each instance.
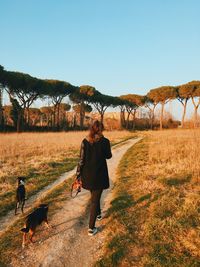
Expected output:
(92, 232)
(99, 217)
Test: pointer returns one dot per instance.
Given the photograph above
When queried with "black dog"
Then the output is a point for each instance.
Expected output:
(33, 220)
(20, 194)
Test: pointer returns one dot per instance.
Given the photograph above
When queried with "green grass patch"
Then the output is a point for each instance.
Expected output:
(177, 181)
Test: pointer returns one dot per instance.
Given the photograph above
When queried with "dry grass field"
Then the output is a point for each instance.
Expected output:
(175, 152)
(154, 220)
(41, 157)
(25, 150)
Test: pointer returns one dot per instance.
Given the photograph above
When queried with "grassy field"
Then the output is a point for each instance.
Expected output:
(10, 240)
(41, 158)
(20, 152)
(154, 218)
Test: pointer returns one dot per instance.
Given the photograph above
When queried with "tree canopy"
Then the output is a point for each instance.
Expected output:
(162, 94)
(23, 90)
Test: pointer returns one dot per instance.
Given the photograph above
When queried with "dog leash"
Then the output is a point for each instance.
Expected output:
(76, 188)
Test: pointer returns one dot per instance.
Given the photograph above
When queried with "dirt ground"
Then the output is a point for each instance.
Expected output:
(8, 220)
(66, 242)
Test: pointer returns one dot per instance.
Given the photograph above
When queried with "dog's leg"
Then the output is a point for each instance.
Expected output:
(24, 237)
(46, 223)
(22, 208)
(24, 240)
(16, 207)
(31, 232)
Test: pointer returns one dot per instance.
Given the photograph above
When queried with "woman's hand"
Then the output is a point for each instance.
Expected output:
(78, 182)
(76, 187)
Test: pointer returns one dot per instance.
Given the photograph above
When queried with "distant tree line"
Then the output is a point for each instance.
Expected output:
(23, 90)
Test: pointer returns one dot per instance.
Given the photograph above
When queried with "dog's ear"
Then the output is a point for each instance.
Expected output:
(44, 206)
(21, 180)
(25, 230)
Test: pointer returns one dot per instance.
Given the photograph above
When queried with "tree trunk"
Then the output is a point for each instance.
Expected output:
(41, 121)
(27, 120)
(122, 118)
(127, 120)
(195, 116)
(151, 114)
(196, 106)
(161, 115)
(58, 117)
(183, 116)
(54, 116)
(152, 117)
(19, 121)
(67, 120)
(1, 108)
(74, 120)
(134, 113)
(102, 116)
(82, 115)
(184, 113)
(51, 120)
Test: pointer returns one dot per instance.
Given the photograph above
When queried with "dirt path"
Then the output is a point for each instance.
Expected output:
(67, 243)
(10, 219)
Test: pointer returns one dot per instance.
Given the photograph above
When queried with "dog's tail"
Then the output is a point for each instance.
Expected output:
(25, 230)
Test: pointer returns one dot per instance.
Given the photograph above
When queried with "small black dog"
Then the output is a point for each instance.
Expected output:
(33, 220)
(20, 194)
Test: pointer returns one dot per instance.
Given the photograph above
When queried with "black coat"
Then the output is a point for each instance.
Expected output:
(92, 168)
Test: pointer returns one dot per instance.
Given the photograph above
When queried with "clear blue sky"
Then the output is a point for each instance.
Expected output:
(118, 46)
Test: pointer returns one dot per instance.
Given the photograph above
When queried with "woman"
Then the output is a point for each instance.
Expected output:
(92, 169)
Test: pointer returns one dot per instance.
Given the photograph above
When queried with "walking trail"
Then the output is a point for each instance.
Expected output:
(66, 243)
(9, 219)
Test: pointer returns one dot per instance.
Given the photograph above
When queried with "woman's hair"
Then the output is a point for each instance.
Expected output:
(96, 129)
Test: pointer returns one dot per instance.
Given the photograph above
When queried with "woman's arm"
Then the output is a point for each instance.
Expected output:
(108, 153)
(81, 162)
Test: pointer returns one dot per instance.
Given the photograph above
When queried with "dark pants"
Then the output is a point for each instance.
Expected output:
(95, 206)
